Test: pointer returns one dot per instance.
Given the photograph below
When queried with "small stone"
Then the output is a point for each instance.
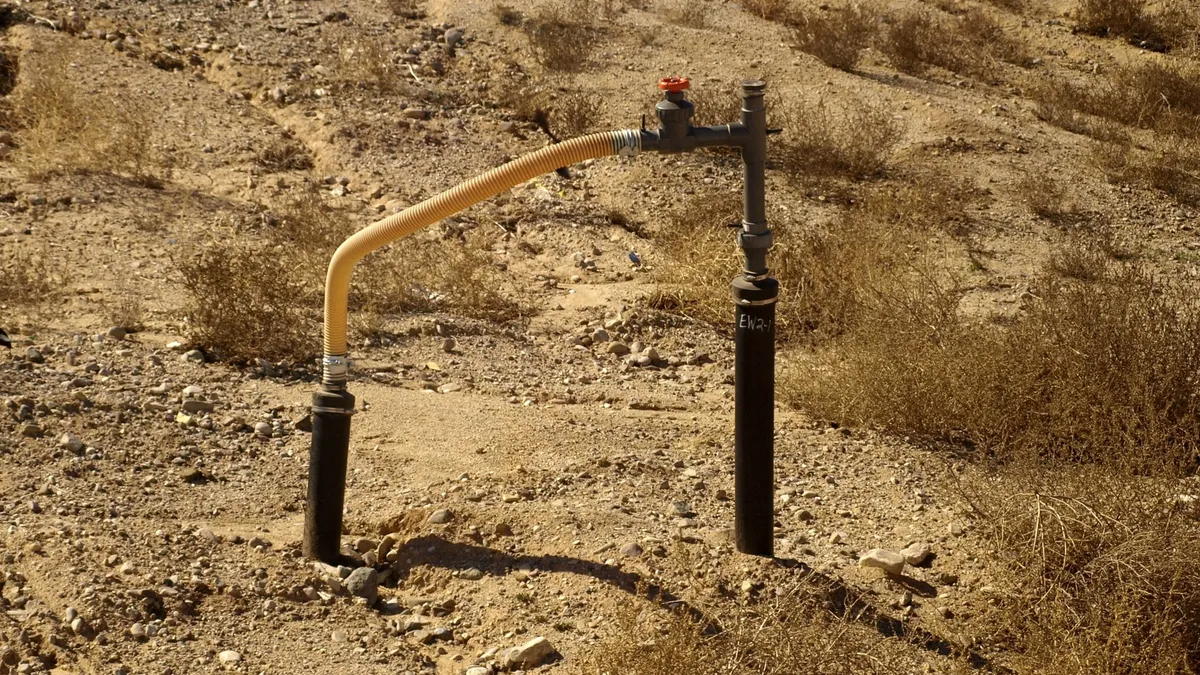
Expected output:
(916, 553)
(137, 631)
(472, 574)
(192, 475)
(194, 355)
(71, 443)
(956, 529)
(386, 545)
(197, 406)
(363, 583)
(531, 654)
(618, 348)
(477, 670)
(600, 335)
(503, 530)
(229, 657)
(262, 428)
(453, 38)
(116, 332)
(837, 538)
(81, 628)
(888, 561)
(449, 344)
(631, 550)
(416, 113)
(441, 517)
(362, 545)
(32, 354)
(31, 431)
(128, 568)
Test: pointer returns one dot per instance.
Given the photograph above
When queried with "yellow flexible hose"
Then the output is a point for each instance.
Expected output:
(444, 205)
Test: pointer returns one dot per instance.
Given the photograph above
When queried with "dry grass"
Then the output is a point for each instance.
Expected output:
(506, 15)
(1172, 26)
(406, 9)
(263, 300)
(26, 279)
(1161, 95)
(1048, 198)
(837, 36)
(1097, 368)
(853, 139)
(1171, 165)
(62, 129)
(1106, 567)
(563, 35)
(972, 44)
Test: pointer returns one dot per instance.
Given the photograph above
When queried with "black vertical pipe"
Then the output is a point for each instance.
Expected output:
(327, 458)
(754, 294)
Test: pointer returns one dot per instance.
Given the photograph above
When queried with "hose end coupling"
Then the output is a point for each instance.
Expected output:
(335, 369)
(627, 143)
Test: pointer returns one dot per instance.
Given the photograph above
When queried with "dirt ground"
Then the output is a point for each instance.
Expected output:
(159, 496)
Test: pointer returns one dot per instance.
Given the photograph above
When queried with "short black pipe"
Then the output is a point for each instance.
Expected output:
(754, 415)
(332, 409)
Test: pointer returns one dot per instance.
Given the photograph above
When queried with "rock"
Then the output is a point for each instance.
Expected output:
(441, 517)
(956, 529)
(503, 530)
(651, 353)
(531, 654)
(362, 545)
(453, 38)
(192, 475)
(279, 94)
(71, 443)
(416, 113)
(137, 631)
(262, 428)
(363, 583)
(193, 390)
(386, 545)
(618, 348)
(229, 657)
(449, 344)
(197, 406)
(472, 574)
(81, 628)
(888, 561)
(32, 354)
(600, 335)
(303, 423)
(116, 332)
(31, 431)
(194, 356)
(477, 670)
(916, 553)
(631, 550)
(837, 538)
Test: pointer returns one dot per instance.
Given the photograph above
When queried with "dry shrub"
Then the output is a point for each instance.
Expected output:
(1099, 370)
(1048, 198)
(1107, 569)
(284, 154)
(689, 13)
(406, 9)
(128, 311)
(968, 45)
(773, 10)
(1118, 17)
(1159, 95)
(836, 36)
(793, 633)
(853, 139)
(367, 62)
(1171, 165)
(563, 35)
(1173, 25)
(264, 300)
(714, 103)
(26, 280)
(64, 129)
(576, 113)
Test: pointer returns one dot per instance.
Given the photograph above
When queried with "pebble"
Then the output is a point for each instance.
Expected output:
(441, 517)
(197, 406)
(137, 630)
(888, 561)
(915, 553)
(116, 332)
(531, 654)
(416, 113)
(449, 344)
(35, 356)
(477, 670)
(71, 443)
(618, 348)
(229, 657)
(262, 428)
(503, 530)
(472, 574)
(631, 550)
(194, 355)
(363, 583)
(454, 37)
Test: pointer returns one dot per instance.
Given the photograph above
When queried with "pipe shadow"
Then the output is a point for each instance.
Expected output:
(439, 552)
(850, 604)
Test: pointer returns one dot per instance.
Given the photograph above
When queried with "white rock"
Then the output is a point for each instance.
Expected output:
(531, 654)
(888, 561)
(229, 657)
(71, 443)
